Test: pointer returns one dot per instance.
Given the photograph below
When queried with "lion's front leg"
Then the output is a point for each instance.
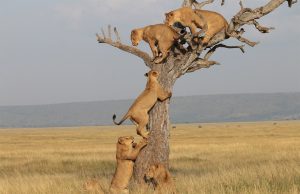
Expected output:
(163, 94)
(154, 48)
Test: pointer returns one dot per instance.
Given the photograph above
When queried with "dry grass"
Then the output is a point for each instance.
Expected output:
(216, 158)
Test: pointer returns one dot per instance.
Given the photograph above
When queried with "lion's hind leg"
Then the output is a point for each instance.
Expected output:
(164, 48)
(142, 121)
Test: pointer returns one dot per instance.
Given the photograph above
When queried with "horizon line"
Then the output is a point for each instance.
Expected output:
(91, 101)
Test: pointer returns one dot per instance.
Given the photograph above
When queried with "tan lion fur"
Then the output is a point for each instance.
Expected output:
(94, 186)
(209, 22)
(138, 112)
(127, 152)
(161, 179)
(160, 38)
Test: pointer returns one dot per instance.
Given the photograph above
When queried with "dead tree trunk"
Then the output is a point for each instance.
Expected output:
(158, 144)
(196, 57)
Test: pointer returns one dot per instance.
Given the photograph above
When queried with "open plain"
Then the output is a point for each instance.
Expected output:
(258, 157)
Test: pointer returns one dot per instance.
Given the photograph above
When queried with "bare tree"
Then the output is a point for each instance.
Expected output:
(177, 65)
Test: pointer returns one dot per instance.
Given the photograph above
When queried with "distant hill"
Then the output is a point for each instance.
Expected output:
(192, 109)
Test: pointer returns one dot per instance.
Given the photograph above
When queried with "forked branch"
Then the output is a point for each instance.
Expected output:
(118, 44)
(204, 62)
(200, 64)
(246, 16)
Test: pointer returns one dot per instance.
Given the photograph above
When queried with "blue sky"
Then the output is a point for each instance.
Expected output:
(49, 53)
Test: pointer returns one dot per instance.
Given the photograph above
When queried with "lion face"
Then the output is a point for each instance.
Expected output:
(154, 171)
(171, 18)
(152, 74)
(181, 15)
(127, 141)
(136, 36)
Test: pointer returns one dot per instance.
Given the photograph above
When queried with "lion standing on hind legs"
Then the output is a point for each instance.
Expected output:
(127, 152)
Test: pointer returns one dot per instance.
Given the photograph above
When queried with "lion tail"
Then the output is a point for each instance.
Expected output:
(123, 119)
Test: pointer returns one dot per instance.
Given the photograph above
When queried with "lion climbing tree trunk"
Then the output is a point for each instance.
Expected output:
(157, 150)
(193, 58)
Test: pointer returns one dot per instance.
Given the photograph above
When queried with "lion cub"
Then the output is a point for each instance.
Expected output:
(138, 112)
(161, 179)
(160, 38)
(127, 152)
(193, 19)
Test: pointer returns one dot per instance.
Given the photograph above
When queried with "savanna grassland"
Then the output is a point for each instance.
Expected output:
(212, 158)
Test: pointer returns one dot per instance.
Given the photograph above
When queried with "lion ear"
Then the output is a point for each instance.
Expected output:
(121, 140)
(155, 73)
(133, 32)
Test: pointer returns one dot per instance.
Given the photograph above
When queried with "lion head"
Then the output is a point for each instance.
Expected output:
(127, 141)
(172, 17)
(152, 74)
(136, 36)
(155, 171)
(177, 16)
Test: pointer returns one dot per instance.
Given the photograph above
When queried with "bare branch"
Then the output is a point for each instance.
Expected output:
(202, 4)
(247, 16)
(103, 33)
(245, 40)
(187, 3)
(291, 2)
(191, 3)
(200, 63)
(261, 11)
(262, 29)
(117, 34)
(109, 31)
(130, 49)
(241, 5)
(212, 50)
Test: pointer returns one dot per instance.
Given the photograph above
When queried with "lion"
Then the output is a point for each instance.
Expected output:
(161, 179)
(160, 38)
(127, 152)
(94, 186)
(209, 22)
(138, 112)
